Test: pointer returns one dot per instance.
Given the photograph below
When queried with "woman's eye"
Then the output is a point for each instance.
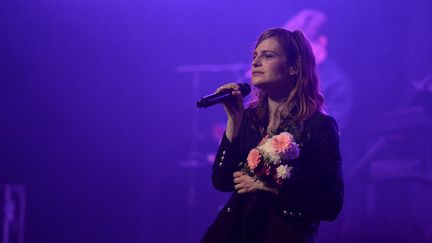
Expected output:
(268, 56)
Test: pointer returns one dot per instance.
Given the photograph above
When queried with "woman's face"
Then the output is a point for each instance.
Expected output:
(269, 65)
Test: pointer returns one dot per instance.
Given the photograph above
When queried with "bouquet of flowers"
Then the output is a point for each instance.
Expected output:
(271, 160)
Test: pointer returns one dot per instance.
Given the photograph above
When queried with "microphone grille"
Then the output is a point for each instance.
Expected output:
(245, 89)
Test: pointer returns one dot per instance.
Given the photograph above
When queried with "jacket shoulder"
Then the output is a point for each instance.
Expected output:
(322, 122)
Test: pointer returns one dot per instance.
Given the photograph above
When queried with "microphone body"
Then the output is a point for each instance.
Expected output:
(212, 99)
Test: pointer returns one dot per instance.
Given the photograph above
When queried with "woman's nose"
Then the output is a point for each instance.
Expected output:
(256, 62)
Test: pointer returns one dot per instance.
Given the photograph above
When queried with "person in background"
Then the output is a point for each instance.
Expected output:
(335, 85)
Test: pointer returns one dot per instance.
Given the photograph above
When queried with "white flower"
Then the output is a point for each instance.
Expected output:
(284, 171)
(269, 153)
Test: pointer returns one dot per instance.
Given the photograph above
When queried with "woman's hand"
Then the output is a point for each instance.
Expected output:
(244, 183)
(234, 109)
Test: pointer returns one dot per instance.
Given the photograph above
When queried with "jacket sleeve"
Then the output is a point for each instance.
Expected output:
(229, 157)
(318, 191)
(225, 164)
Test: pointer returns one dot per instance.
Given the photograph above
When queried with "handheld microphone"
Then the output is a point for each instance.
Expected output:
(212, 99)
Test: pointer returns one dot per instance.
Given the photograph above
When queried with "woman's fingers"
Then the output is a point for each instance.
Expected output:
(239, 186)
(243, 183)
(232, 86)
(238, 174)
(243, 188)
(237, 93)
(241, 191)
(238, 180)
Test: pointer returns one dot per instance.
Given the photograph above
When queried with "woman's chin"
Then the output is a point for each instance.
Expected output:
(263, 84)
(259, 83)
(275, 88)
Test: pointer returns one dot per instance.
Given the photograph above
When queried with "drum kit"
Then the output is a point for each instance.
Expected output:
(393, 176)
(402, 148)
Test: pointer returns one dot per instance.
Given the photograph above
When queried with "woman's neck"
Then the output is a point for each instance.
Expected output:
(276, 103)
(277, 96)
(274, 106)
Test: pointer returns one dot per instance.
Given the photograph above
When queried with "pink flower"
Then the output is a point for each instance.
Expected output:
(253, 158)
(268, 161)
(281, 142)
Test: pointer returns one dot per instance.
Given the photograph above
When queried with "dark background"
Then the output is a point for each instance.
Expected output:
(95, 121)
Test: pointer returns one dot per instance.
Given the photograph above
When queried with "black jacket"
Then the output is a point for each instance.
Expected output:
(312, 194)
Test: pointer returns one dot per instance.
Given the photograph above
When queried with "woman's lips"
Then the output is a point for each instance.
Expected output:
(256, 73)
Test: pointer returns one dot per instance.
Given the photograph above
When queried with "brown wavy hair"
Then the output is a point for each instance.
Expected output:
(304, 99)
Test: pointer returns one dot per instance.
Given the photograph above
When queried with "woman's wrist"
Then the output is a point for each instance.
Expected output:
(232, 129)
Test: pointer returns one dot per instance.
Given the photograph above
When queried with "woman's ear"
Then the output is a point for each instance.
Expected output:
(293, 70)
